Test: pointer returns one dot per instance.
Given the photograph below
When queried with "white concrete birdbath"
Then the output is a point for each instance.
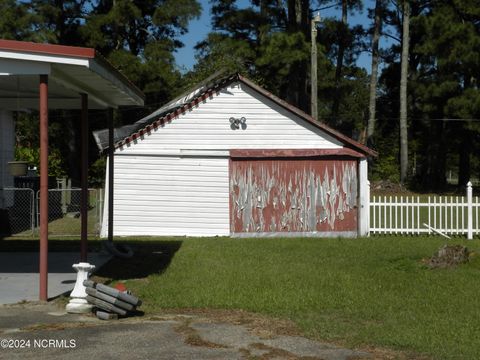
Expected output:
(78, 303)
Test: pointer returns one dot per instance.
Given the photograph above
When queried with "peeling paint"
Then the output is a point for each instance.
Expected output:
(293, 195)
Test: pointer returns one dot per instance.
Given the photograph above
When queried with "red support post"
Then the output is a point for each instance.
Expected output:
(84, 180)
(43, 188)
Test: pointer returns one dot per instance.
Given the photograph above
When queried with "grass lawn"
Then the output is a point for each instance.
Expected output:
(371, 292)
(357, 292)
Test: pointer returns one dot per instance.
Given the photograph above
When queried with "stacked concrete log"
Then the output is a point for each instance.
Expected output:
(110, 303)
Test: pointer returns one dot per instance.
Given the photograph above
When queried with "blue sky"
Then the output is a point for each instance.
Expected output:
(198, 30)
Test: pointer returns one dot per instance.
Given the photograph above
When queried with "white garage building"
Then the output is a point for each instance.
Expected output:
(231, 159)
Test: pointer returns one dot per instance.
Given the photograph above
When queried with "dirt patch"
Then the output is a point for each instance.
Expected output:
(58, 326)
(448, 256)
(268, 328)
(260, 325)
(273, 353)
(386, 187)
(191, 337)
(385, 354)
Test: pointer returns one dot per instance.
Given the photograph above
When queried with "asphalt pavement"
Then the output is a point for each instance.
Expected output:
(46, 331)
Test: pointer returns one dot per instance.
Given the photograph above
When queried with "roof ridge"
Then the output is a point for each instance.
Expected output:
(199, 94)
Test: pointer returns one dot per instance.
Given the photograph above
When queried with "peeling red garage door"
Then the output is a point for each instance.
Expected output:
(293, 195)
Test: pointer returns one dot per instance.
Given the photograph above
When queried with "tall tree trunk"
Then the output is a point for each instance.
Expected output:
(298, 16)
(298, 21)
(339, 66)
(436, 179)
(403, 93)
(264, 27)
(341, 45)
(60, 23)
(464, 168)
(377, 26)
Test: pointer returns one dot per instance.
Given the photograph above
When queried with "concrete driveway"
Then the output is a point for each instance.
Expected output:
(43, 331)
(19, 278)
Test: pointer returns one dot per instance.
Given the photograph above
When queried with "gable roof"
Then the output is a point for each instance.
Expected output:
(201, 92)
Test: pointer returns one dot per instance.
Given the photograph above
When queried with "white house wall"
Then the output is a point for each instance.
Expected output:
(175, 180)
(163, 195)
(364, 199)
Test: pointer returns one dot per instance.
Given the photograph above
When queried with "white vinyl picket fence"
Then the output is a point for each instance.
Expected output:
(445, 215)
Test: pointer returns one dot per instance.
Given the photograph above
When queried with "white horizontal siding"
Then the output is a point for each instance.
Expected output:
(160, 192)
(170, 196)
(207, 127)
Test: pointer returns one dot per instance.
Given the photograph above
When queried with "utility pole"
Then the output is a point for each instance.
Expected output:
(313, 70)
(403, 93)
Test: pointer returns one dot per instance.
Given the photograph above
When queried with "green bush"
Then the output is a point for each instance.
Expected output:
(96, 177)
(56, 166)
(385, 168)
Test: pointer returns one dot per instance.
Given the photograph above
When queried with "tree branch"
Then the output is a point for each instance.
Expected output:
(392, 37)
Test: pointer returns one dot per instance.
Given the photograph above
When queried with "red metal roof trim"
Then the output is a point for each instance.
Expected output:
(48, 49)
(274, 153)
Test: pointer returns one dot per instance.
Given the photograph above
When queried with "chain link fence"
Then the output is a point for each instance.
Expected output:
(17, 211)
(20, 212)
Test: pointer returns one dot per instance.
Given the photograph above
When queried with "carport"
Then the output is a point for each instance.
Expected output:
(44, 76)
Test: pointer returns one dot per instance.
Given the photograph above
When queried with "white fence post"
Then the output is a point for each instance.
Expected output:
(367, 207)
(469, 211)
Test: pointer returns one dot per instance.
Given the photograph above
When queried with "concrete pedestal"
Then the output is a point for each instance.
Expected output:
(78, 303)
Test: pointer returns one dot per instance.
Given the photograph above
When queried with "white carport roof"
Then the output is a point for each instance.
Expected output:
(71, 70)
(45, 76)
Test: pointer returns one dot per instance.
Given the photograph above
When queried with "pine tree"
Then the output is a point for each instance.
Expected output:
(377, 27)
(449, 48)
